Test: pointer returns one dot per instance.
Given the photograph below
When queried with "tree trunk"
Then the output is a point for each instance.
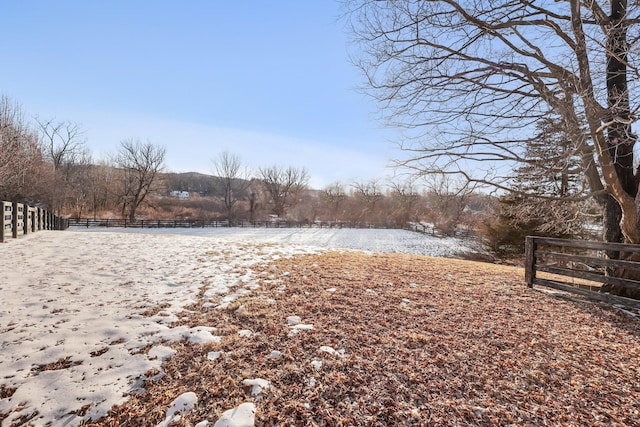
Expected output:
(620, 138)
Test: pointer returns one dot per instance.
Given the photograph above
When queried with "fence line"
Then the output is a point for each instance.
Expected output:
(581, 267)
(19, 219)
(145, 223)
(431, 230)
(199, 223)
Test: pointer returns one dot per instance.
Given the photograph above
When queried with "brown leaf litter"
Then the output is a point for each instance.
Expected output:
(402, 340)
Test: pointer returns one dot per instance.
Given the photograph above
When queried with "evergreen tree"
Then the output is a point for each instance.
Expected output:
(548, 198)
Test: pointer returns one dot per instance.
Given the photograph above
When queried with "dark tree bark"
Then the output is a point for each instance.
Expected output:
(620, 139)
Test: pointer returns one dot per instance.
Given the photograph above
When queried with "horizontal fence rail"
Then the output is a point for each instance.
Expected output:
(19, 219)
(199, 223)
(144, 223)
(582, 267)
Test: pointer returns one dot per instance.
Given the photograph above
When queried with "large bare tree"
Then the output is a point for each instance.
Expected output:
(283, 185)
(63, 145)
(139, 162)
(233, 180)
(470, 80)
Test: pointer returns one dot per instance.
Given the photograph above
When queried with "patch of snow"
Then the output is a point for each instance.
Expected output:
(294, 320)
(243, 415)
(214, 355)
(181, 405)
(275, 354)
(257, 385)
(203, 337)
(316, 363)
(329, 350)
(161, 352)
(293, 330)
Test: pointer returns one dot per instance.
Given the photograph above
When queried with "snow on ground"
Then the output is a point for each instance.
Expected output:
(366, 239)
(78, 307)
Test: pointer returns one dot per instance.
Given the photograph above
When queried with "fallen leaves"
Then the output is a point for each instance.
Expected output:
(62, 363)
(401, 340)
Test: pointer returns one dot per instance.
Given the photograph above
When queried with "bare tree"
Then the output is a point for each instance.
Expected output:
(234, 181)
(369, 193)
(63, 145)
(405, 201)
(20, 156)
(283, 186)
(447, 200)
(62, 142)
(77, 178)
(139, 164)
(470, 80)
(334, 195)
(101, 187)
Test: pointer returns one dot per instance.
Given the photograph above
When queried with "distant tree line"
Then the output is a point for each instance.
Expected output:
(47, 163)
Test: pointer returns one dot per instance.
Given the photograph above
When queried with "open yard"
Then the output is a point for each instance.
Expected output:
(177, 329)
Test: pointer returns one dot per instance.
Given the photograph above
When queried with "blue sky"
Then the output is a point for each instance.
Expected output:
(267, 80)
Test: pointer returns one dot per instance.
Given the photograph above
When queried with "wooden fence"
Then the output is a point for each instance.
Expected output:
(19, 219)
(582, 267)
(145, 223)
(199, 223)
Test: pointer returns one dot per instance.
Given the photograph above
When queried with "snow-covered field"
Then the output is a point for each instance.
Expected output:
(78, 307)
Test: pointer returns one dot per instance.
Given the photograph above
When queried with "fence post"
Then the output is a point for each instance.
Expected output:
(529, 260)
(18, 219)
(26, 227)
(27, 219)
(34, 219)
(5, 220)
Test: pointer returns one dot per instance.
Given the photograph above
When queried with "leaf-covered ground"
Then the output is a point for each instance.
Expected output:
(401, 340)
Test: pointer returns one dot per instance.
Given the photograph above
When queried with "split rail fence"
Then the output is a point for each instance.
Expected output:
(19, 219)
(583, 267)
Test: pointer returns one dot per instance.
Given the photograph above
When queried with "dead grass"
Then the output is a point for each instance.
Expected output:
(426, 341)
